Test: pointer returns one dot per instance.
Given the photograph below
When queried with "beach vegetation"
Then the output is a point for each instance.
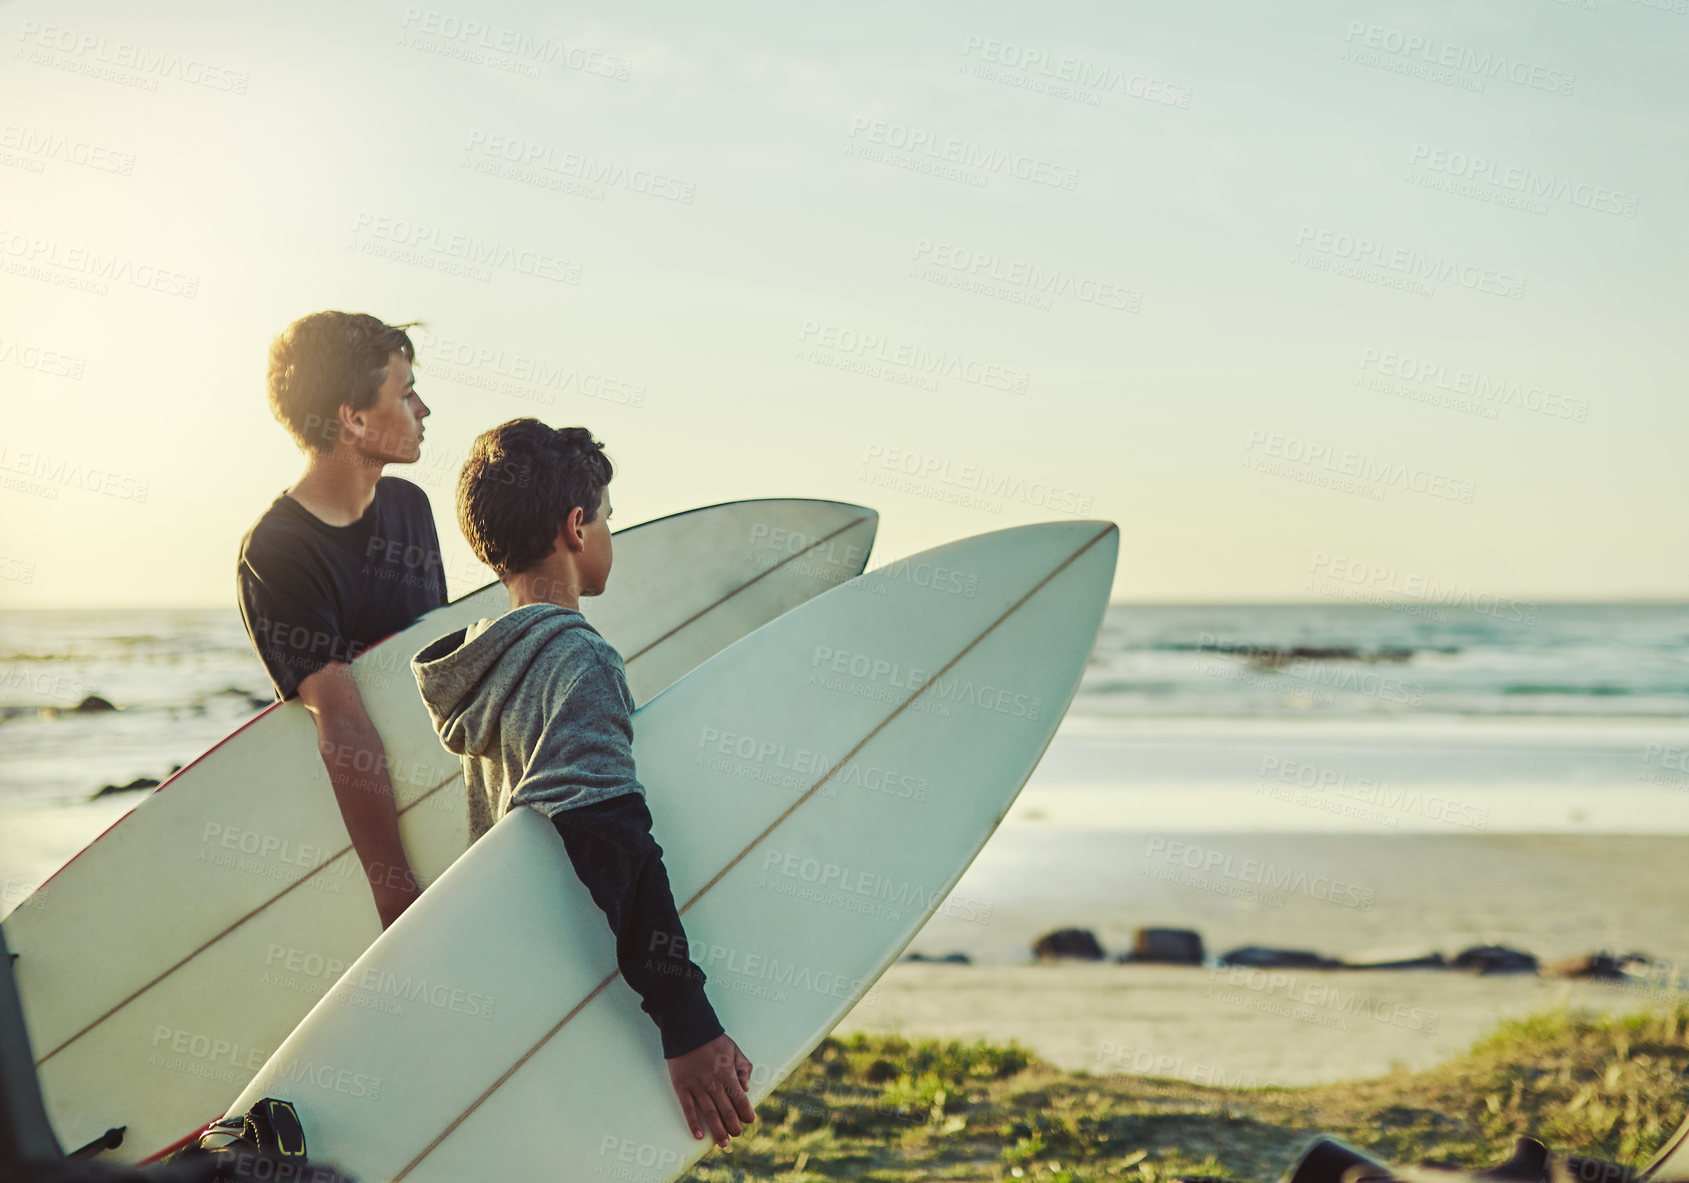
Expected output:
(888, 1109)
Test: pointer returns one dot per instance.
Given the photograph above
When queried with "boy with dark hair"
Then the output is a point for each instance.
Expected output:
(537, 705)
(332, 565)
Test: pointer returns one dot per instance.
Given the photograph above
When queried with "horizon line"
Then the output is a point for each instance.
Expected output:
(1159, 603)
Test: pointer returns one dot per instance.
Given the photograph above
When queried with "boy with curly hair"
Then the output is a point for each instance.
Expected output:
(536, 703)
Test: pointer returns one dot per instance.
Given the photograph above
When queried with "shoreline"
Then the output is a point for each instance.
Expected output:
(1357, 897)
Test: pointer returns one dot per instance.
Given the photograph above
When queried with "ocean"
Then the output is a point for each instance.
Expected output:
(1282, 717)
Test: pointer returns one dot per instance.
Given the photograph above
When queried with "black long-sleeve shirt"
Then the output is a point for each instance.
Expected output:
(614, 854)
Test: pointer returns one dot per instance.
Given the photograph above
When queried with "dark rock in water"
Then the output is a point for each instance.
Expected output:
(1596, 967)
(1429, 961)
(93, 703)
(1167, 946)
(1078, 943)
(1495, 959)
(1260, 957)
(1273, 657)
(134, 786)
(957, 959)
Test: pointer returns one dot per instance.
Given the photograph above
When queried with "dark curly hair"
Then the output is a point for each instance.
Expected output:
(327, 359)
(521, 480)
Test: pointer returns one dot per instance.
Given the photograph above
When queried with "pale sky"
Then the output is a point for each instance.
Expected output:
(1201, 268)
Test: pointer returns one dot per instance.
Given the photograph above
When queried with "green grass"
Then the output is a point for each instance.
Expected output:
(888, 1109)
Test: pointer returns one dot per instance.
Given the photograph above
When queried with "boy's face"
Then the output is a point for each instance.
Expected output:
(392, 426)
(596, 557)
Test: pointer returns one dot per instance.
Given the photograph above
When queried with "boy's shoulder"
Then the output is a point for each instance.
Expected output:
(569, 644)
(586, 666)
(403, 491)
(276, 529)
(585, 646)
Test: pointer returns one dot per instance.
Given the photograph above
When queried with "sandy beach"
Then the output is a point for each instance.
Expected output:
(1220, 1027)
(1345, 895)
(1556, 896)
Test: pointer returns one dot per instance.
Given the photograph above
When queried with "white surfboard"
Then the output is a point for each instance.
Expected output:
(818, 789)
(1670, 1163)
(162, 965)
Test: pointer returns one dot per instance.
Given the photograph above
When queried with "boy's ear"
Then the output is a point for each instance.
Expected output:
(569, 529)
(351, 422)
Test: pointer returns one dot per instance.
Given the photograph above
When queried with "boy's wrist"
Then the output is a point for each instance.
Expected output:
(686, 1024)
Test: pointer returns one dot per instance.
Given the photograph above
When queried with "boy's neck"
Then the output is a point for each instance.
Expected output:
(338, 486)
(551, 583)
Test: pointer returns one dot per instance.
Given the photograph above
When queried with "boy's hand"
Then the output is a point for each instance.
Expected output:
(710, 1082)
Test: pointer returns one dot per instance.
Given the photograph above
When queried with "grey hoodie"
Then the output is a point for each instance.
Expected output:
(492, 690)
(537, 705)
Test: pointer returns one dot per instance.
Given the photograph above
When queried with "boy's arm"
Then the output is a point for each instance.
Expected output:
(613, 852)
(349, 742)
(290, 620)
(585, 748)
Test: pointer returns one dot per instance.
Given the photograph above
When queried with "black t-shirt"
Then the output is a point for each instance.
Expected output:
(312, 593)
